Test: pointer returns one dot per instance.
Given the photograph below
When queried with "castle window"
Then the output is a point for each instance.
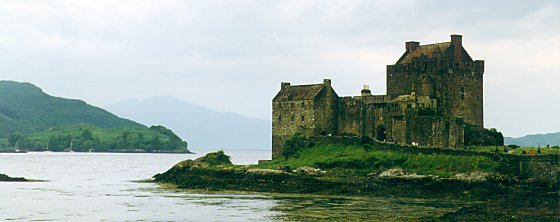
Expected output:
(302, 118)
(462, 93)
(302, 104)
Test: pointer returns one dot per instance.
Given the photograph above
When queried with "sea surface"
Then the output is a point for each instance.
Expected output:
(103, 187)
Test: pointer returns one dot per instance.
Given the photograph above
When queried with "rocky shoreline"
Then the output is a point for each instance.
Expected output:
(495, 190)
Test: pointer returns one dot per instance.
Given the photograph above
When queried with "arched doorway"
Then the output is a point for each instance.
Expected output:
(381, 134)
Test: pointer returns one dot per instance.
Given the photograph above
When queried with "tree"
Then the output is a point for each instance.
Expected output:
(86, 135)
(14, 138)
(478, 136)
(293, 145)
(155, 143)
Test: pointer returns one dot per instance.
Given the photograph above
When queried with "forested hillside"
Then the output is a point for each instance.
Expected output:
(32, 120)
(25, 108)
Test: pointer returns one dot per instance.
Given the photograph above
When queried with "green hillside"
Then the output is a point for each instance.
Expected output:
(32, 120)
(25, 108)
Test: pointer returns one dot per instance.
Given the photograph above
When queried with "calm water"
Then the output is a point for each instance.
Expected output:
(99, 187)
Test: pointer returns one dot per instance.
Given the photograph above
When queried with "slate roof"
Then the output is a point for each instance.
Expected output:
(435, 51)
(300, 92)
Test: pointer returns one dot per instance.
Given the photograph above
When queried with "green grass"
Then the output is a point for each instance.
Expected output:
(353, 159)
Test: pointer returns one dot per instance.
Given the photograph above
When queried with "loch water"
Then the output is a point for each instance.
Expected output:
(104, 187)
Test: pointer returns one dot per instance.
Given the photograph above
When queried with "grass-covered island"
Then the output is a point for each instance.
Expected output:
(508, 186)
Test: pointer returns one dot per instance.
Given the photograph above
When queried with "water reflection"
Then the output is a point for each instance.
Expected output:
(300, 207)
(320, 208)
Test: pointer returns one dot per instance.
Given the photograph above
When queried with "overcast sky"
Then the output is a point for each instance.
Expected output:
(232, 55)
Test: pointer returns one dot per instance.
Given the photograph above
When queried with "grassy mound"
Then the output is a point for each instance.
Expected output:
(216, 159)
(353, 159)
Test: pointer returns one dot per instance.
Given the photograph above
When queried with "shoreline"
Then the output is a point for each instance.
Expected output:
(342, 166)
(496, 200)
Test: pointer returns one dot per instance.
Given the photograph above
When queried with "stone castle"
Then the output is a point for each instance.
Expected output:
(432, 92)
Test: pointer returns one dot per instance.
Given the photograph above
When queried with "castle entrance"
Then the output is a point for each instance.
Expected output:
(381, 135)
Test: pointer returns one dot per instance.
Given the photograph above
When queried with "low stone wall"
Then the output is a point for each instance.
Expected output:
(540, 167)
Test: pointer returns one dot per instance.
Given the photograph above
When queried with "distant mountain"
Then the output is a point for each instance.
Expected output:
(25, 108)
(202, 127)
(535, 140)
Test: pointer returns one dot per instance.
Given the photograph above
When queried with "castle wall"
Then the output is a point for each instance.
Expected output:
(310, 115)
(289, 118)
(433, 131)
(326, 113)
(398, 130)
(362, 115)
(459, 88)
(351, 116)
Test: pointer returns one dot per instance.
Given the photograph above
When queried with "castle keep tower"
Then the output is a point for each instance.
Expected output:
(432, 91)
(445, 71)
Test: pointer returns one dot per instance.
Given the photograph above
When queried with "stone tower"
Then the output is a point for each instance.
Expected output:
(444, 71)
(306, 109)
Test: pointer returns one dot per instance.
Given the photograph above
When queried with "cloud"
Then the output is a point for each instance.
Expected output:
(231, 55)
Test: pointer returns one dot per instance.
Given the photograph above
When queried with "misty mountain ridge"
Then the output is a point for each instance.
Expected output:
(535, 140)
(204, 128)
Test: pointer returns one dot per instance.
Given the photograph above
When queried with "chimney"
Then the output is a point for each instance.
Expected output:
(327, 82)
(456, 40)
(366, 91)
(411, 45)
(284, 85)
